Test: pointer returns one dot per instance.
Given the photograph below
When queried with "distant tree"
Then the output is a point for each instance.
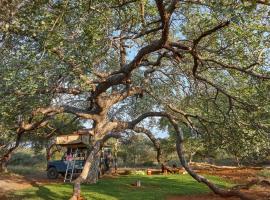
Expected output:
(136, 150)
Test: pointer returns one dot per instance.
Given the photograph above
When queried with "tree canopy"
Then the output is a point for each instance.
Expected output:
(203, 65)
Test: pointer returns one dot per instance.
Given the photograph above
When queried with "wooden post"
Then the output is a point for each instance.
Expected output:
(165, 172)
(138, 183)
(76, 191)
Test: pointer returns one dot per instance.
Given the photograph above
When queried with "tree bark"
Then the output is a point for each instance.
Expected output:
(190, 157)
(86, 171)
(90, 163)
(93, 174)
(238, 161)
(3, 166)
(115, 164)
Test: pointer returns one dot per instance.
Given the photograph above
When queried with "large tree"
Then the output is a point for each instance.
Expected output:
(95, 60)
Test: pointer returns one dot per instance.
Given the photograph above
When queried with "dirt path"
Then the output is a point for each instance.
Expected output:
(14, 182)
(10, 183)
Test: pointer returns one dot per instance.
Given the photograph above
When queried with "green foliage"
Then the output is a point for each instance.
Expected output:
(34, 170)
(26, 162)
(46, 44)
(236, 121)
(265, 173)
(138, 172)
(136, 150)
(27, 159)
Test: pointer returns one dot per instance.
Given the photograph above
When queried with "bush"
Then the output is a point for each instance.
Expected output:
(27, 159)
(265, 173)
(134, 172)
(148, 164)
(127, 172)
(138, 172)
(25, 170)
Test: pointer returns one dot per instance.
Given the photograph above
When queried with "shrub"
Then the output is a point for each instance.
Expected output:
(265, 173)
(148, 164)
(25, 170)
(27, 159)
(138, 172)
(127, 172)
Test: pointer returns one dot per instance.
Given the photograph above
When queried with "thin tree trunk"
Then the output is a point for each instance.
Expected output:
(6, 157)
(190, 158)
(115, 164)
(48, 153)
(201, 179)
(3, 166)
(238, 161)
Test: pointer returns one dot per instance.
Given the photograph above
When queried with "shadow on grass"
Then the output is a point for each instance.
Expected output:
(152, 188)
(46, 192)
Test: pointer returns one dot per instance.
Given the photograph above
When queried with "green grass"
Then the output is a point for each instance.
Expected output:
(153, 188)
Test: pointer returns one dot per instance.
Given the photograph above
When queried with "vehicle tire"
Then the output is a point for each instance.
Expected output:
(52, 173)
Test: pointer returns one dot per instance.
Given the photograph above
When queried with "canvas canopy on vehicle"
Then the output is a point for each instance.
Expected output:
(76, 140)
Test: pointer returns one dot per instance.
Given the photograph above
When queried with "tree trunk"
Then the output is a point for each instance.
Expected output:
(238, 161)
(4, 161)
(134, 161)
(76, 191)
(48, 154)
(201, 179)
(6, 157)
(93, 174)
(3, 166)
(90, 163)
(115, 165)
(190, 157)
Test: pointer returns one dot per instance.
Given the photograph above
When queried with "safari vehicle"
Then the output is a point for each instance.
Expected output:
(73, 160)
(56, 167)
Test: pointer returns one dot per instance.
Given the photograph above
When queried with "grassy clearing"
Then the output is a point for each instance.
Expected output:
(153, 188)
